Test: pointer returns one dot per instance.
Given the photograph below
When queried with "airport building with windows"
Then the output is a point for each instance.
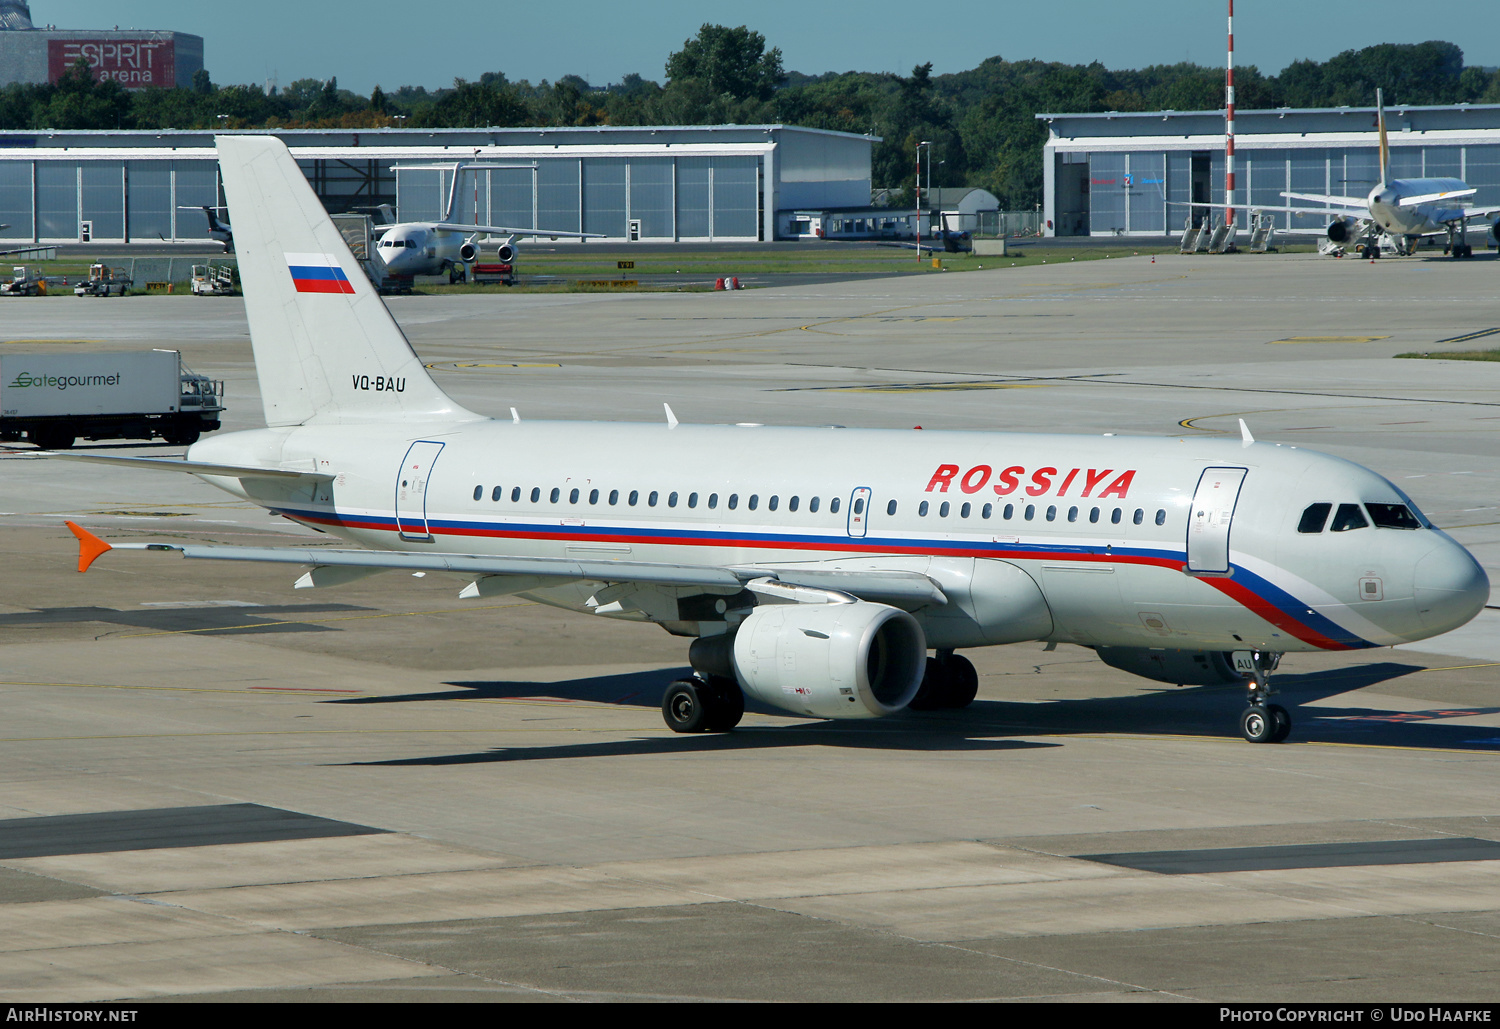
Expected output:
(1133, 173)
(664, 183)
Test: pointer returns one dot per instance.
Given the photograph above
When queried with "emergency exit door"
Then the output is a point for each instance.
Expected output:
(859, 511)
(1209, 521)
(412, 481)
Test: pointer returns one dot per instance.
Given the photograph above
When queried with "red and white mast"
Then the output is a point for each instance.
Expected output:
(1229, 126)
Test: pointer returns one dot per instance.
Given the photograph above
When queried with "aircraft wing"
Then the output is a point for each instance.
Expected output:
(1480, 212)
(502, 230)
(1253, 207)
(528, 573)
(1356, 203)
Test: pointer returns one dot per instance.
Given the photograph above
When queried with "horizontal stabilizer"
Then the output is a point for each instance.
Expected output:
(168, 464)
(1356, 203)
(1432, 198)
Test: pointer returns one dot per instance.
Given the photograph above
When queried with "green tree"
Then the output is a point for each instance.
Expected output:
(733, 62)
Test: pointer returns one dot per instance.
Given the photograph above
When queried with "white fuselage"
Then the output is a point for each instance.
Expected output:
(419, 248)
(1426, 219)
(1121, 536)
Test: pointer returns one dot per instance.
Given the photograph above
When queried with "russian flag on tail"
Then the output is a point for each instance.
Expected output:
(318, 273)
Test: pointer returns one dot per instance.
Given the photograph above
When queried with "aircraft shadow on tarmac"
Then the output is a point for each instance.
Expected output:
(1207, 711)
(226, 621)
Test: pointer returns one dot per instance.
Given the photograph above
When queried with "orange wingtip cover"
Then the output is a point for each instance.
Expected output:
(90, 547)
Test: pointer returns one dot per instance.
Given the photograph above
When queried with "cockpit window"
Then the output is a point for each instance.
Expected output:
(1314, 518)
(1349, 516)
(1392, 516)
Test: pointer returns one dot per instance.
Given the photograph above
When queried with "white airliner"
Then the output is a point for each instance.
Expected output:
(1404, 210)
(449, 246)
(813, 568)
(217, 229)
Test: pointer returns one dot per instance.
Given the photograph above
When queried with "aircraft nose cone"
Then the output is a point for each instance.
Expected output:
(1450, 588)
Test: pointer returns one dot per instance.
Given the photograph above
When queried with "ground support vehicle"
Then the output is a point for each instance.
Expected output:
(52, 400)
(103, 281)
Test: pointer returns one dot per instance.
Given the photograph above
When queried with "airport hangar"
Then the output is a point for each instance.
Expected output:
(1121, 173)
(662, 183)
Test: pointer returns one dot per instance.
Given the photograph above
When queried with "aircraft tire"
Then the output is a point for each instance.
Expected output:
(1282, 721)
(933, 691)
(1258, 725)
(685, 708)
(726, 703)
(963, 682)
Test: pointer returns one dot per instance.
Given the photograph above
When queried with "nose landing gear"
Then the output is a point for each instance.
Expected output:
(1262, 722)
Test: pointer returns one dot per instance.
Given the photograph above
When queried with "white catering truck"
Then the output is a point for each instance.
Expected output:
(53, 399)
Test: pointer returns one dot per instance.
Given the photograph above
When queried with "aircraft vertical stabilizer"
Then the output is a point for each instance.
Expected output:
(326, 348)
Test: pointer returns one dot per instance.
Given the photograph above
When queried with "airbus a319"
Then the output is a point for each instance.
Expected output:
(811, 568)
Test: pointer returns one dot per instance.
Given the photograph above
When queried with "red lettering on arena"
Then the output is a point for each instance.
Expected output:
(975, 478)
(1092, 478)
(133, 63)
(1008, 482)
(942, 477)
(1062, 490)
(1119, 487)
(1041, 480)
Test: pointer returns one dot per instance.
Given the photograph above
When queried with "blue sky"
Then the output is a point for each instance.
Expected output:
(403, 43)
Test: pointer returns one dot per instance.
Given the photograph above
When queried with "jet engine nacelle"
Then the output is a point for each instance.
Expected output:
(1495, 230)
(507, 253)
(858, 660)
(1181, 667)
(468, 252)
(1343, 230)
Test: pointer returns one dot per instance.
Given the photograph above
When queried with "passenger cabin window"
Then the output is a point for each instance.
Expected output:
(635, 496)
(734, 501)
(498, 493)
(773, 502)
(942, 509)
(536, 494)
(478, 492)
(1392, 516)
(515, 494)
(1161, 516)
(1314, 518)
(1347, 517)
(651, 500)
(812, 506)
(573, 496)
(614, 497)
(593, 496)
(833, 506)
(754, 501)
(1140, 516)
(890, 508)
(922, 509)
(713, 501)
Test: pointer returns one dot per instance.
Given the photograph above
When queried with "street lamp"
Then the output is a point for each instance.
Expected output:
(928, 144)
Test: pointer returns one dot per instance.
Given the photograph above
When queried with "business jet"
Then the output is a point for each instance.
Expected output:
(811, 568)
(217, 229)
(449, 246)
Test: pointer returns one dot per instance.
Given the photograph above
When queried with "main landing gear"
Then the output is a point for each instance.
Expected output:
(1459, 247)
(708, 704)
(950, 681)
(1261, 722)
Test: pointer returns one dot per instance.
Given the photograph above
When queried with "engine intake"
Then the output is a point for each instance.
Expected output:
(857, 660)
(1181, 667)
(507, 253)
(468, 251)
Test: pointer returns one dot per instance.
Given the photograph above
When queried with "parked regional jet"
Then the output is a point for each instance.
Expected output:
(433, 248)
(812, 568)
